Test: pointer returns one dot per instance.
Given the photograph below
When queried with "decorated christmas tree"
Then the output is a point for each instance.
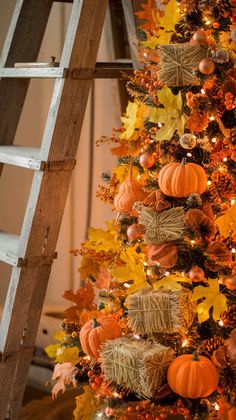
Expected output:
(152, 330)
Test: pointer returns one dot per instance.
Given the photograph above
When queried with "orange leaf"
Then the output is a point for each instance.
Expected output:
(148, 14)
(83, 298)
(120, 150)
(87, 315)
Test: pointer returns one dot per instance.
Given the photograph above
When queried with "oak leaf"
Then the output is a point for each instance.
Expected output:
(64, 374)
(213, 298)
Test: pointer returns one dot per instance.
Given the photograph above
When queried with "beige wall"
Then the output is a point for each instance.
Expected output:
(15, 182)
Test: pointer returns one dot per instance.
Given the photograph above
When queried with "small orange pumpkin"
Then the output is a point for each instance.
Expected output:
(182, 179)
(129, 192)
(166, 254)
(192, 376)
(94, 333)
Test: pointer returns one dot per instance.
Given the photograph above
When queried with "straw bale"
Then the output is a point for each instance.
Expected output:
(138, 365)
(159, 311)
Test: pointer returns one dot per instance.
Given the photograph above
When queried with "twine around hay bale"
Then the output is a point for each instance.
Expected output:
(161, 227)
(136, 364)
(178, 62)
(159, 311)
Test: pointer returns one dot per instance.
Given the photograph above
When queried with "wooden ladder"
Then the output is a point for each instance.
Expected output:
(32, 252)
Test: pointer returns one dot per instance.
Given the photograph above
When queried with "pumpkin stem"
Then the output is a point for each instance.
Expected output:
(195, 356)
(183, 161)
(95, 323)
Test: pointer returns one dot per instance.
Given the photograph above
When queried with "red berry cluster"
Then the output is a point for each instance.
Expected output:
(229, 101)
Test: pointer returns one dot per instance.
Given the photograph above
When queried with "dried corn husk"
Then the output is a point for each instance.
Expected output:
(136, 364)
(162, 227)
(159, 311)
(178, 62)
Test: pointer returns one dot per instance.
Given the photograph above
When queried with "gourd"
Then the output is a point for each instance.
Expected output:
(182, 179)
(94, 333)
(192, 376)
(129, 192)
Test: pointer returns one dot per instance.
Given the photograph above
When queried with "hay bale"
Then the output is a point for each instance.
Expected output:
(178, 62)
(159, 311)
(138, 365)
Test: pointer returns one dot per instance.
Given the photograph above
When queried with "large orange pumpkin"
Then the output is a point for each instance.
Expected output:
(129, 192)
(192, 376)
(94, 333)
(182, 179)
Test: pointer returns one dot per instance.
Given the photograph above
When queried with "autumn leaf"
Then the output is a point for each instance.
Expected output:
(171, 115)
(171, 16)
(53, 348)
(85, 315)
(68, 355)
(131, 270)
(127, 148)
(83, 298)
(104, 278)
(133, 120)
(64, 374)
(88, 268)
(85, 405)
(213, 298)
(227, 222)
(103, 240)
(172, 282)
(122, 171)
(149, 14)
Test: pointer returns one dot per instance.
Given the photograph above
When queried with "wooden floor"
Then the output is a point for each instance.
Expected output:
(38, 405)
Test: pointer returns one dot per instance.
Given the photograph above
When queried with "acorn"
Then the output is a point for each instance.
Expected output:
(206, 66)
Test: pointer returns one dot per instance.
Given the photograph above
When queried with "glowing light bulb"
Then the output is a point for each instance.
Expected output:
(192, 241)
(115, 394)
(221, 323)
(213, 140)
(233, 250)
(148, 272)
(137, 338)
(100, 414)
(232, 202)
(216, 406)
(189, 154)
(208, 22)
(225, 159)
(211, 118)
(203, 91)
(127, 285)
(139, 176)
(184, 343)
(167, 273)
(209, 182)
(159, 125)
(145, 264)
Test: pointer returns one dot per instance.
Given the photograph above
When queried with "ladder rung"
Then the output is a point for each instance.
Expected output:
(8, 248)
(47, 72)
(26, 157)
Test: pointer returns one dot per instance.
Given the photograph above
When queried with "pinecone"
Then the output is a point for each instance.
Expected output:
(206, 4)
(220, 56)
(213, 196)
(229, 317)
(227, 381)
(209, 346)
(224, 183)
(194, 201)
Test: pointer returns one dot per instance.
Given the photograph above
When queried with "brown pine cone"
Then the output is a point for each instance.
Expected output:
(229, 317)
(209, 346)
(224, 183)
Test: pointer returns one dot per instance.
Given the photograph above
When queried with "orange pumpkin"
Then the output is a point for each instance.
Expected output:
(192, 376)
(182, 179)
(94, 333)
(129, 192)
(166, 254)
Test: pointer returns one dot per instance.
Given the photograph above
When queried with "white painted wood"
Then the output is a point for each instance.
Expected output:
(35, 65)
(131, 31)
(26, 157)
(9, 248)
(26, 73)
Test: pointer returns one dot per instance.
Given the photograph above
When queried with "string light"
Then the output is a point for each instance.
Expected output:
(115, 394)
(209, 182)
(232, 201)
(216, 406)
(139, 176)
(208, 22)
(184, 343)
(221, 323)
(225, 159)
(189, 154)
(159, 125)
(99, 414)
(203, 91)
(233, 250)
(167, 273)
(213, 140)
(192, 241)
(212, 118)
(145, 264)
(137, 338)
(148, 272)
(127, 285)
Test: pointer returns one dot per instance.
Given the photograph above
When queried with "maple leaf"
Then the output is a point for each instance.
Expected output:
(83, 298)
(85, 405)
(122, 171)
(213, 298)
(171, 282)
(132, 270)
(103, 240)
(131, 148)
(53, 348)
(68, 355)
(133, 120)
(227, 222)
(103, 279)
(171, 115)
(64, 374)
(149, 13)
(171, 16)
(87, 268)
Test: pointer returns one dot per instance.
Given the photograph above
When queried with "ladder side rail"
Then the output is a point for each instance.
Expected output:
(22, 43)
(47, 200)
(131, 32)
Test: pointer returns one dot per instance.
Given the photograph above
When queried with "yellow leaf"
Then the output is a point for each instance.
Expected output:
(59, 335)
(68, 355)
(171, 115)
(227, 222)
(164, 37)
(133, 120)
(132, 270)
(103, 240)
(122, 171)
(171, 16)
(171, 282)
(212, 298)
(87, 268)
(52, 350)
(152, 42)
(85, 405)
